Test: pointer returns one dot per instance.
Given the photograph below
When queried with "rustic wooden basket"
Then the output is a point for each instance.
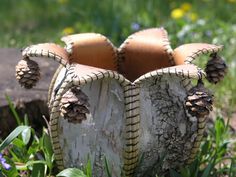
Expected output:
(125, 105)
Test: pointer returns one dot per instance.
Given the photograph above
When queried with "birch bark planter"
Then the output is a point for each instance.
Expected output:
(134, 106)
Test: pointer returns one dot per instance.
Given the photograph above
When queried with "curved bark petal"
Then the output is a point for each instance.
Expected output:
(91, 49)
(48, 50)
(189, 71)
(145, 51)
(189, 52)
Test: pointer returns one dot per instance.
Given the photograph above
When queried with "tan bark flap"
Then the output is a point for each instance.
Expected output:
(186, 71)
(145, 51)
(91, 49)
(188, 52)
(85, 74)
(48, 50)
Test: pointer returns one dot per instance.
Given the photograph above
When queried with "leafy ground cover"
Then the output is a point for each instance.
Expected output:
(25, 22)
(24, 153)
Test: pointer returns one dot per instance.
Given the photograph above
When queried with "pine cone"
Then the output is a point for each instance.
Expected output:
(74, 105)
(199, 100)
(216, 69)
(27, 73)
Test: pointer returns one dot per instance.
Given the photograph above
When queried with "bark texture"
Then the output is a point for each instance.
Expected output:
(141, 128)
(167, 132)
(100, 135)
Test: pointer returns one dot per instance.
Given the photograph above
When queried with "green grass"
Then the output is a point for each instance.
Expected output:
(30, 155)
(25, 22)
(216, 156)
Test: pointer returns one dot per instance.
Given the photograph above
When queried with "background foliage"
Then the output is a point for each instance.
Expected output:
(25, 22)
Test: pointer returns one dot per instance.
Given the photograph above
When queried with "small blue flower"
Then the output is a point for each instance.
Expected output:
(135, 26)
(3, 163)
(208, 33)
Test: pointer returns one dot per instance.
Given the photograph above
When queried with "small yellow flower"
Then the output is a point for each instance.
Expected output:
(186, 7)
(62, 1)
(68, 30)
(232, 1)
(177, 13)
(193, 16)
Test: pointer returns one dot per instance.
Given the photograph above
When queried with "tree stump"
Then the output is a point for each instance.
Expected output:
(32, 102)
(133, 106)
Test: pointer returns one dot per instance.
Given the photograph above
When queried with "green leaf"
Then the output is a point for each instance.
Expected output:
(13, 171)
(14, 156)
(219, 130)
(38, 170)
(173, 173)
(89, 168)
(222, 149)
(185, 172)
(12, 136)
(10, 173)
(1, 175)
(26, 134)
(13, 110)
(107, 168)
(160, 162)
(34, 147)
(47, 145)
(71, 172)
(232, 168)
(36, 162)
(205, 148)
(18, 142)
(26, 120)
(194, 167)
(207, 170)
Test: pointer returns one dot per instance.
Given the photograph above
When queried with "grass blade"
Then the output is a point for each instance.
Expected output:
(26, 135)
(71, 172)
(13, 110)
(107, 168)
(29, 163)
(232, 169)
(173, 173)
(38, 170)
(12, 136)
(89, 168)
(207, 170)
(194, 167)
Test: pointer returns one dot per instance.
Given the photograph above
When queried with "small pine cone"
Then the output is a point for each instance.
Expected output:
(74, 105)
(199, 100)
(27, 73)
(216, 69)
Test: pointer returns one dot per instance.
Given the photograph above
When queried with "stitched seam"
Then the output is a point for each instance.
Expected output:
(206, 50)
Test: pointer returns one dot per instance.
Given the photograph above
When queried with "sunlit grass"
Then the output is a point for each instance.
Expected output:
(30, 155)
(29, 22)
